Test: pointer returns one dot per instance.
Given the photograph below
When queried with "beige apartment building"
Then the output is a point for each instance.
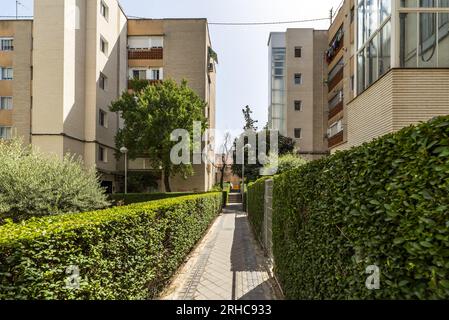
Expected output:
(60, 72)
(297, 92)
(395, 68)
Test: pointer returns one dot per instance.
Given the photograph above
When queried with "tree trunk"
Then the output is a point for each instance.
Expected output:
(222, 177)
(167, 180)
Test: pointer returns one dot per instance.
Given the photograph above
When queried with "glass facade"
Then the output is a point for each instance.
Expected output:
(278, 99)
(424, 41)
(373, 41)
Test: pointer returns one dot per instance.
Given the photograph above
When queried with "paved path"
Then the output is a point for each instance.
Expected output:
(227, 265)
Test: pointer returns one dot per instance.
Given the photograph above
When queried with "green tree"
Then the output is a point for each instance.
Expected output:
(250, 123)
(151, 114)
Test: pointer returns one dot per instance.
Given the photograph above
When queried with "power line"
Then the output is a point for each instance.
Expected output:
(252, 23)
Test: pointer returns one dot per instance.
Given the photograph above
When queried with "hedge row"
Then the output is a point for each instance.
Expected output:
(131, 198)
(122, 253)
(256, 205)
(385, 203)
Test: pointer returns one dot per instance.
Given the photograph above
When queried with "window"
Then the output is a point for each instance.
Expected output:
(102, 154)
(298, 133)
(103, 81)
(5, 133)
(103, 45)
(104, 10)
(335, 129)
(6, 44)
(352, 15)
(298, 52)
(6, 73)
(298, 78)
(103, 118)
(298, 105)
(139, 74)
(145, 42)
(156, 74)
(5, 103)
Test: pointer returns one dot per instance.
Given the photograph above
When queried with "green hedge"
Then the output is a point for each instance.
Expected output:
(122, 253)
(131, 198)
(385, 203)
(256, 205)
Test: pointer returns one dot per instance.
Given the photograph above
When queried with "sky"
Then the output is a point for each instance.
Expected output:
(242, 73)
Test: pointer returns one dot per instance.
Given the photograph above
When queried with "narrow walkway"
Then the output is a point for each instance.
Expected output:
(227, 265)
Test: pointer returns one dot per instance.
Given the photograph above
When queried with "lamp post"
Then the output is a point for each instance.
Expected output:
(124, 150)
(243, 173)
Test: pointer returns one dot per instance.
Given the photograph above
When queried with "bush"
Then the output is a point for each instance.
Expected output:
(33, 184)
(122, 253)
(256, 205)
(131, 198)
(385, 203)
(286, 163)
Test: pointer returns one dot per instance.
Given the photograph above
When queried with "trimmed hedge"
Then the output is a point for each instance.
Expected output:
(385, 203)
(131, 198)
(256, 205)
(122, 253)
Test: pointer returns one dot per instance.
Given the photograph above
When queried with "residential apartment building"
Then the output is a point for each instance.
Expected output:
(60, 72)
(395, 69)
(297, 92)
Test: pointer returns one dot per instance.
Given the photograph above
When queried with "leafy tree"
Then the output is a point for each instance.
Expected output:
(286, 162)
(286, 146)
(225, 155)
(151, 115)
(33, 184)
(250, 123)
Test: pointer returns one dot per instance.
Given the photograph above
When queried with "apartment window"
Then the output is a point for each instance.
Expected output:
(139, 74)
(102, 154)
(6, 73)
(5, 103)
(155, 74)
(103, 118)
(103, 45)
(298, 105)
(298, 78)
(145, 42)
(298, 52)
(352, 14)
(103, 81)
(104, 10)
(5, 133)
(6, 44)
(298, 133)
(335, 129)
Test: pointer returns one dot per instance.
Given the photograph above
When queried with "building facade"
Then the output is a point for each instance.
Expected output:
(297, 92)
(60, 72)
(397, 69)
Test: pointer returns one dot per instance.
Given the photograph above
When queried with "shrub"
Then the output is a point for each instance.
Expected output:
(286, 163)
(385, 203)
(122, 253)
(33, 184)
(256, 205)
(131, 198)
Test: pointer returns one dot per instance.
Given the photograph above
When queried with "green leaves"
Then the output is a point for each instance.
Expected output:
(389, 199)
(122, 252)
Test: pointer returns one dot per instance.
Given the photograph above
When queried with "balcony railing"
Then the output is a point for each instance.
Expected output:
(335, 140)
(146, 54)
(140, 83)
(335, 46)
(336, 104)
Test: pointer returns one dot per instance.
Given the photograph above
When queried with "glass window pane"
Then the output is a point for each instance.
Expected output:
(408, 40)
(409, 3)
(385, 9)
(427, 40)
(385, 49)
(372, 60)
(443, 44)
(428, 3)
(360, 72)
(361, 24)
(373, 13)
(444, 4)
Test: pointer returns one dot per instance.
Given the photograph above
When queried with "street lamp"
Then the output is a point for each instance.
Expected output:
(243, 173)
(124, 150)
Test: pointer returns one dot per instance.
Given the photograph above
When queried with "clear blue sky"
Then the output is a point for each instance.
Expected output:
(242, 51)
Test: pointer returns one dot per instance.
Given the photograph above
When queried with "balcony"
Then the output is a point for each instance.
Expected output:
(336, 105)
(335, 75)
(335, 140)
(146, 54)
